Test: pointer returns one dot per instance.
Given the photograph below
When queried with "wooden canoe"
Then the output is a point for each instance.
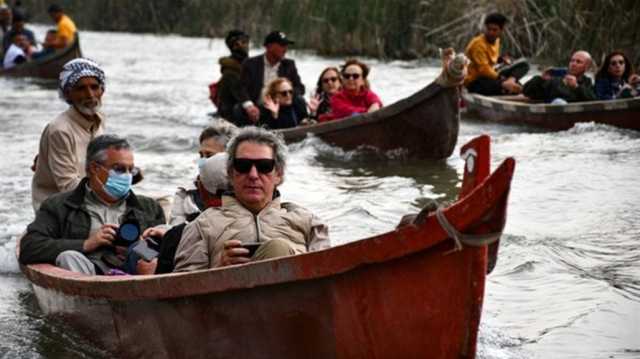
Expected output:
(48, 67)
(623, 113)
(403, 294)
(423, 125)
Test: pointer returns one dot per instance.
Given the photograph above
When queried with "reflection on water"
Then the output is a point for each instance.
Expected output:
(567, 283)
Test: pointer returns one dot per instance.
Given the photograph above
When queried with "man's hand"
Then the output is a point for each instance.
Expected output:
(511, 86)
(154, 232)
(253, 112)
(104, 236)
(234, 253)
(144, 267)
(570, 81)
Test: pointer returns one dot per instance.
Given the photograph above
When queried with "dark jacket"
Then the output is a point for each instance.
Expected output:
(62, 224)
(253, 75)
(608, 88)
(230, 89)
(288, 116)
(547, 90)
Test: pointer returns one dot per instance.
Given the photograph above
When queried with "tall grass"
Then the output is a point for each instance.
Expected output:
(545, 30)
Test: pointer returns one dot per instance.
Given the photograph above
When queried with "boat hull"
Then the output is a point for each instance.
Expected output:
(624, 113)
(424, 125)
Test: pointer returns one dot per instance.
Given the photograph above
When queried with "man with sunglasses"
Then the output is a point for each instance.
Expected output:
(253, 213)
(59, 165)
(260, 70)
(80, 230)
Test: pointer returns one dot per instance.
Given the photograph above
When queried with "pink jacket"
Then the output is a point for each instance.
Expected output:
(344, 104)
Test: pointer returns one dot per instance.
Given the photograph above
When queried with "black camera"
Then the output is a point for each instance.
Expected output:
(128, 233)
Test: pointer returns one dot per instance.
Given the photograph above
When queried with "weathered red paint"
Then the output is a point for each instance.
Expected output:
(402, 294)
(48, 67)
(424, 125)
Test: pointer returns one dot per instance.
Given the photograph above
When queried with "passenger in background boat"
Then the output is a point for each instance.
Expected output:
(48, 46)
(329, 83)
(5, 18)
(280, 108)
(575, 86)
(253, 213)
(66, 28)
(187, 202)
(259, 70)
(212, 183)
(356, 96)
(19, 52)
(615, 79)
(18, 28)
(489, 73)
(83, 230)
(63, 144)
(230, 88)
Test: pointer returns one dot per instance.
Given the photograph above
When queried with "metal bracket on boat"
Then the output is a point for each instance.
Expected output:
(460, 239)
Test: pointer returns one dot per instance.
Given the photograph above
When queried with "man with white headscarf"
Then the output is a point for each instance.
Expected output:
(60, 166)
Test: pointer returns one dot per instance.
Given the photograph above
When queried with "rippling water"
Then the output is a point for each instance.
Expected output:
(567, 284)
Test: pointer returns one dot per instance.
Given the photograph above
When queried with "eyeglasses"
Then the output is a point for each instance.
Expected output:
(614, 63)
(329, 79)
(263, 165)
(120, 169)
(351, 76)
(285, 93)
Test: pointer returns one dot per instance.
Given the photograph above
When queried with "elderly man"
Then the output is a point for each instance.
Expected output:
(253, 214)
(60, 163)
(80, 230)
(259, 70)
(484, 55)
(65, 26)
(574, 86)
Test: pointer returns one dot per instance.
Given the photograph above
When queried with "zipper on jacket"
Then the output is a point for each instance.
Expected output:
(255, 217)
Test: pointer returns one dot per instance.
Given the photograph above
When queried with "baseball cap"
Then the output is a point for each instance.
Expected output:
(277, 37)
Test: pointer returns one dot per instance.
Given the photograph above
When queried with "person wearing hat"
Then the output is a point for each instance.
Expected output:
(260, 70)
(60, 165)
(18, 28)
(230, 89)
(66, 27)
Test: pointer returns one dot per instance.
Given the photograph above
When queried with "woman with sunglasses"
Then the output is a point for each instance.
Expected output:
(280, 107)
(615, 79)
(356, 97)
(329, 83)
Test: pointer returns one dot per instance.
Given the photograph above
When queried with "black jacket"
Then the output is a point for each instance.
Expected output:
(230, 88)
(62, 223)
(253, 75)
(288, 116)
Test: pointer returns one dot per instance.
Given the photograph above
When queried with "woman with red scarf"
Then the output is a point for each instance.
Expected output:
(355, 97)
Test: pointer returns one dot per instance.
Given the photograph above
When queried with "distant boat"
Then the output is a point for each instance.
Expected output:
(623, 113)
(411, 292)
(48, 67)
(423, 125)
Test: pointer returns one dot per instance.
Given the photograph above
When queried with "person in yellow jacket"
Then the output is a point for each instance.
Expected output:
(484, 54)
(66, 27)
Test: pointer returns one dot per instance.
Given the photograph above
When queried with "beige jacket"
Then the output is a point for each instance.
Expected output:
(61, 155)
(203, 239)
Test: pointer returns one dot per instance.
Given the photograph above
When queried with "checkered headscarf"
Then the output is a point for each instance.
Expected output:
(76, 69)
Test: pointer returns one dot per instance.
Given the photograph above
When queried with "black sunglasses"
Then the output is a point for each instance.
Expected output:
(285, 93)
(263, 165)
(329, 79)
(351, 76)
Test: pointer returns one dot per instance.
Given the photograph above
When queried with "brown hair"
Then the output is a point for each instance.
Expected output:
(604, 69)
(319, 83)
(363, 67)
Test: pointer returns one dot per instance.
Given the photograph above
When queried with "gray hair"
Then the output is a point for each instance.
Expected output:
(220, 131)
(260, 136)
(97, 149)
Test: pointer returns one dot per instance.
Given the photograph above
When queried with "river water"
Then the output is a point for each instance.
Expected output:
(567, 283)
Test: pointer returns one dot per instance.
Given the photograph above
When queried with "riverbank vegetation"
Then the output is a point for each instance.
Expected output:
(545, 30)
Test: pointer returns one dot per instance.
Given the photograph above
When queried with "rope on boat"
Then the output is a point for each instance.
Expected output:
(460, 239)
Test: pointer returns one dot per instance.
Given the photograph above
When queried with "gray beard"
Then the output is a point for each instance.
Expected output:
(89, 111)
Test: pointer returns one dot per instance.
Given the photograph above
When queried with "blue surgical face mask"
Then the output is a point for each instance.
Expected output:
(118, 185)
(201, 162)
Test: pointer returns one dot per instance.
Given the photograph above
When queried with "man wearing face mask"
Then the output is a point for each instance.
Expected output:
(60, 165)
(77, 230)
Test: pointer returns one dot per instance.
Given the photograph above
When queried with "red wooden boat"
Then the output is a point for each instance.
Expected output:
(412, 292)
(48, 67)
(623, 113)
(423, 125)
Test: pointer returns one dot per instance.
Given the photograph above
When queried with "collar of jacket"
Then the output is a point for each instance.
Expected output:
(230, 200)
(76, 199)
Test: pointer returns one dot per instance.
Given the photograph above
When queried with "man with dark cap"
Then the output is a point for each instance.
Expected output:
(60, 163)
(230, 89)
(259, 70)
(18, 28)
(66, 27)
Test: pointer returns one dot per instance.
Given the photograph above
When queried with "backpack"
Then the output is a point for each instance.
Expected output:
(214, 94)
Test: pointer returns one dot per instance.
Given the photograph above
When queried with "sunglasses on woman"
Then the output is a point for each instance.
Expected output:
(351, 76)
(285, 93)
(263, 165)
(614, 63)
(329, 79)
